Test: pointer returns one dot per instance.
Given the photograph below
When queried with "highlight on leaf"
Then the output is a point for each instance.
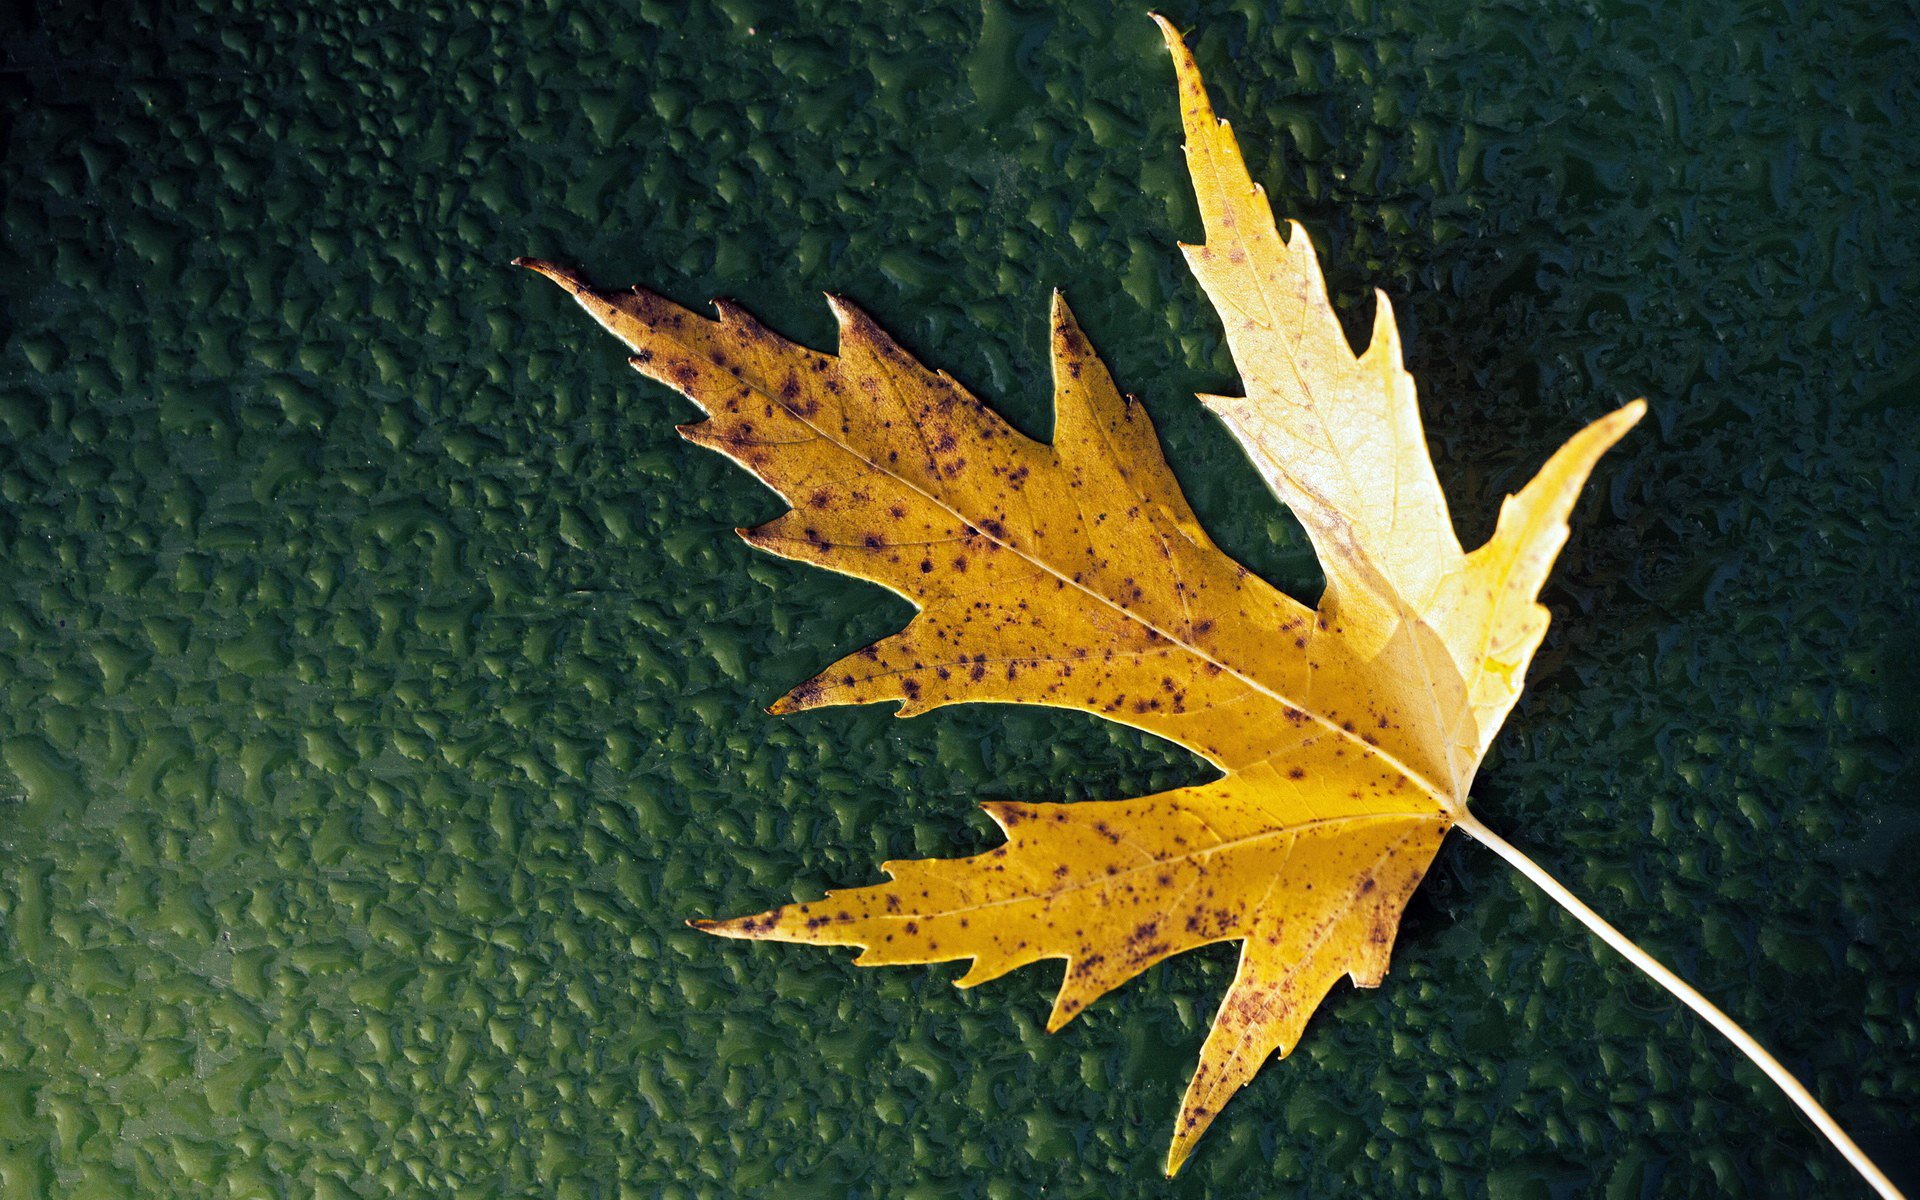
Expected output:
(1074, 574)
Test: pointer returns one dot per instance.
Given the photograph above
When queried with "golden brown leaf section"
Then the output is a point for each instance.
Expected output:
(1074, 574)
(1114, 887)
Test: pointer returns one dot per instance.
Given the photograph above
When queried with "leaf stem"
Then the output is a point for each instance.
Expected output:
(1795, 1090)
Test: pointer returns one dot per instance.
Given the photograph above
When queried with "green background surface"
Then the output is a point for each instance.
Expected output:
(382, 683)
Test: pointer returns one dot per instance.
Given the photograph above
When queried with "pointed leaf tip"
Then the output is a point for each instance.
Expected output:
(566, 277)
(1061, 313)
(758, 927)
(1177, 1157)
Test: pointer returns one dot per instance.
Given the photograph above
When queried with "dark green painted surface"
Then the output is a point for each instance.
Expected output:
(381, 681)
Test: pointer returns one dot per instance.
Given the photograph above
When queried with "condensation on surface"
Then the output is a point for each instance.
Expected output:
(383, 682)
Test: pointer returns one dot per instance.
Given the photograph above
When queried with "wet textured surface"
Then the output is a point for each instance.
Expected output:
(383, 680)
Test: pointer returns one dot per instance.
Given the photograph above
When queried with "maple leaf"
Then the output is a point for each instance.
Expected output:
(1074, 574)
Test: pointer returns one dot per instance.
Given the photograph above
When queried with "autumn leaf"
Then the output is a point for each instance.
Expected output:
(1074, 574)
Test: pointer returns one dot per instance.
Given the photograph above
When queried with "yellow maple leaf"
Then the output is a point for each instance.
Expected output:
(1075, 575)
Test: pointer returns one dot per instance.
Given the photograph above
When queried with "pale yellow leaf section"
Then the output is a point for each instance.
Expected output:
(1338, 438)
(1486, 606)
